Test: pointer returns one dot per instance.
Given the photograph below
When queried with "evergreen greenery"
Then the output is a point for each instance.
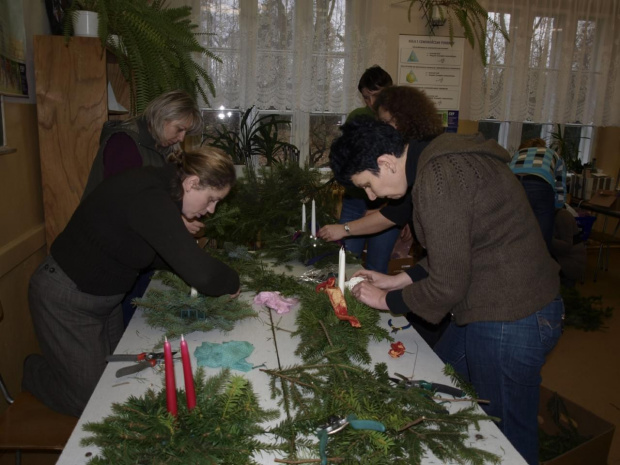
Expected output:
(222, 429)
(584, 312)
(334, 380)
(415, 421)
(176, 312)
(263, 212)
(155, 47)
(567, 436)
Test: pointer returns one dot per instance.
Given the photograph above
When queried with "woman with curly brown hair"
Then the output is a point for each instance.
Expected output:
(409, 111)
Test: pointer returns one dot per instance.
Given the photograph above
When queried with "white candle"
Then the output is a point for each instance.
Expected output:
(193, 292)
(341, 269)
(303, 217)
(313, 220)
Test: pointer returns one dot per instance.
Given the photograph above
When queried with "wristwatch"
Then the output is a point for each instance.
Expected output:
(346, 228)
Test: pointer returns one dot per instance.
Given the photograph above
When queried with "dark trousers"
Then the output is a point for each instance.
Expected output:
(76, 331)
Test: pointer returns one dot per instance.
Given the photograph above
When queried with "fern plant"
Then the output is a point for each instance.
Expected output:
(154, 49)
(472, 17)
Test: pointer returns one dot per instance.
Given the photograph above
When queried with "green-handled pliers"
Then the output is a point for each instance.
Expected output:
(336, 424)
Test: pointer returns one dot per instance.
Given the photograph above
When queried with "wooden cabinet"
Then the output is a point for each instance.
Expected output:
(72, 105)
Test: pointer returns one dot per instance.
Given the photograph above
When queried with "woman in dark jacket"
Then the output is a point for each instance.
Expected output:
(129, 223)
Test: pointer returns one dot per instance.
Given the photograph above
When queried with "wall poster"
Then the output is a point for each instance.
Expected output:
(12, 49)
(436, 67)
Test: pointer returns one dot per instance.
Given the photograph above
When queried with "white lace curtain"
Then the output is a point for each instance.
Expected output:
(560, 66)
(288, 55)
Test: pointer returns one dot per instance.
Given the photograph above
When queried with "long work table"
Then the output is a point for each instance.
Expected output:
(271, 335)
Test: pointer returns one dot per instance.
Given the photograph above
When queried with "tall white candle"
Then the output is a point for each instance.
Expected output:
(303, 217)
(313, 220)
(341, 269)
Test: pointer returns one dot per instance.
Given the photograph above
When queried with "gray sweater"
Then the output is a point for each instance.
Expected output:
(487, 260)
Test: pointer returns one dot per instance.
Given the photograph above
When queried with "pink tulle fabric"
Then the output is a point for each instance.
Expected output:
(275, 301)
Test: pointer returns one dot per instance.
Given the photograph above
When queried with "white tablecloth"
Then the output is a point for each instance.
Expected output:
(419, 362)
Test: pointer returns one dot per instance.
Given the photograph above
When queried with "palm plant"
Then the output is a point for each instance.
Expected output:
(256, 136)
(566, 149)
(154, 49)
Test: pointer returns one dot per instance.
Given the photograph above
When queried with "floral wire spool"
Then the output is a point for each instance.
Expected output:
(193, 314)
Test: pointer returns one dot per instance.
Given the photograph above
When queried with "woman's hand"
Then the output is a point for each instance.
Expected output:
(370, 295)
(405, 234)
(193, 226)
(235, 295)
(378, 280)
(331, 232)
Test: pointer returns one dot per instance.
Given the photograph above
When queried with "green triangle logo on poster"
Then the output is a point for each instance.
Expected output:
(413, 57)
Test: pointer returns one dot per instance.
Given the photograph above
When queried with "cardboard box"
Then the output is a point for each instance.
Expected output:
(606, 198)
(398, 265)
(595, 450)
(584, 187)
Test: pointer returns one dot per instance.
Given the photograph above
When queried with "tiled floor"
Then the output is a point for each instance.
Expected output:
(585, 366)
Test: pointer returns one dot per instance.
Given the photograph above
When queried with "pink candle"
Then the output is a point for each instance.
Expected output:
(171, 389)
(190, 394)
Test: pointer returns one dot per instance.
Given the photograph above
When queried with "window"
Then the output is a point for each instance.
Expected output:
(490, 129)
(558, 66)
(531, 131)
(299, 58)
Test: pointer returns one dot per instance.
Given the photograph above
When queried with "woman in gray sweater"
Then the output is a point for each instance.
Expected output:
(487, 263)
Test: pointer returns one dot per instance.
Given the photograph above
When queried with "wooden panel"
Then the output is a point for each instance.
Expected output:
(71, 90)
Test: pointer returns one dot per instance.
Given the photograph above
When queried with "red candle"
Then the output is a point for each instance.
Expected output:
(190, 393)
(171, 389)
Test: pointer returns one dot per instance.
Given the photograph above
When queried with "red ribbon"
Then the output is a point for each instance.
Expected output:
(337, 300)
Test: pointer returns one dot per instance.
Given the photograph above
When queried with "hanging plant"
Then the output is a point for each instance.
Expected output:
(471, 16)
(154, 46)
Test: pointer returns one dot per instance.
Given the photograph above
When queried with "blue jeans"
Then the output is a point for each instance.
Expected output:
(503, 360)
(379, 246)
(541, 196)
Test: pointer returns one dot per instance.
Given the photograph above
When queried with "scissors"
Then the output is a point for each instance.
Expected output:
(432, 387)
(143, 360)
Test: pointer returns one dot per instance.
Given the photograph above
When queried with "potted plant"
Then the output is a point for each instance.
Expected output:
(257, 136)
(155, 47)
(83, 17)
(567, 150)
(472, 17)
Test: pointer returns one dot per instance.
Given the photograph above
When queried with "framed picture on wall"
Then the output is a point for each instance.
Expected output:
(12, 49)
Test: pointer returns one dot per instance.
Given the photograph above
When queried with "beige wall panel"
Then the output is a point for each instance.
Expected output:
(20, 177)
(607, 151)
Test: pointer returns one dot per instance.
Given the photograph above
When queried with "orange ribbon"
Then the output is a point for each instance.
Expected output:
(337, 300)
